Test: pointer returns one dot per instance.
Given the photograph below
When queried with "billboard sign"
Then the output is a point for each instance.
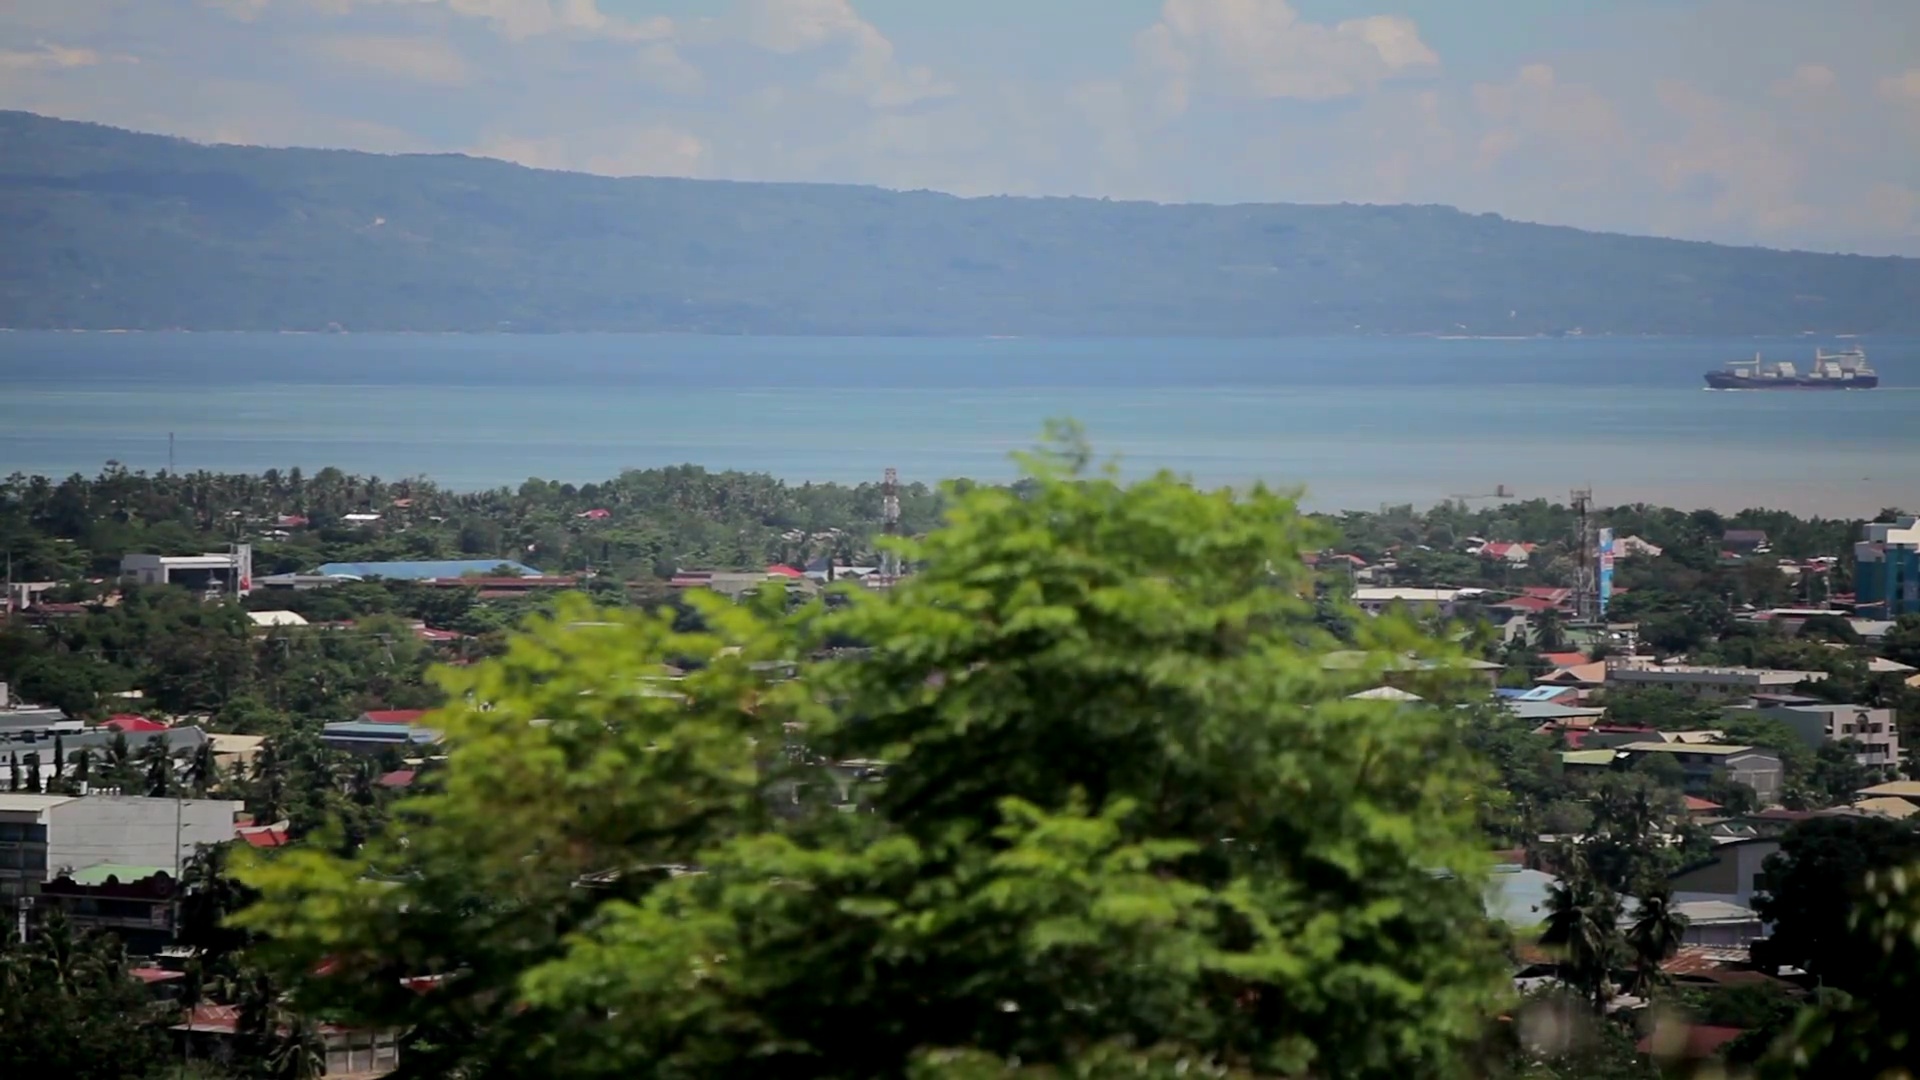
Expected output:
(1605, 562)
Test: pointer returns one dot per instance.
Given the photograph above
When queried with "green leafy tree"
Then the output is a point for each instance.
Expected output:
(1126, 810)
(68, 1008)
(1813, 886)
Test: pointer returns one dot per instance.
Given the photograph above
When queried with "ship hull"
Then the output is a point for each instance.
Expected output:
(1720, 380)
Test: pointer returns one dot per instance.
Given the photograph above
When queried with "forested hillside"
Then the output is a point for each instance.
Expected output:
(107, 228)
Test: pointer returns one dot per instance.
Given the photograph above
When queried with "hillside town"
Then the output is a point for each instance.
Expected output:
(1691, 719)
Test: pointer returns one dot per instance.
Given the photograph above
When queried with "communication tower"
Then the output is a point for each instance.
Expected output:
(890, 523)
(1586, 585)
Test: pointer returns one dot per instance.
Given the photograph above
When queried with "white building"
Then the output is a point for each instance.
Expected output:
(1374, 601)
(230, 571)
(1875, 729)
(42, 836)
(1723, 683)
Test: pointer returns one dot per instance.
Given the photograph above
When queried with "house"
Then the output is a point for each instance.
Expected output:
(1717, 683)
(182, 743)
(1703, 763)
(134, 903)
(1580, 676)
(1719, 922)
(1510, 553)
(1734, 872)
(595, 514)
(1908, 790)
(734, 585)
(267, 620)
(1698, 807)
(45, 836)
(1875, 729)
(373, 737)
(1887, 806)
(1631, 547)
(211, 1033)
(129, 722)
(1566, 659)
(392, 716)
(230, 751)
(1744, 540)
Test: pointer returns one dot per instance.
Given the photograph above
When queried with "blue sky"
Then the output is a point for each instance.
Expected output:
(1776, 122)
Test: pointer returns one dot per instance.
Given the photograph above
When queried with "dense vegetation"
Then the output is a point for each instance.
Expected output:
(108, 228)
(1131, 823)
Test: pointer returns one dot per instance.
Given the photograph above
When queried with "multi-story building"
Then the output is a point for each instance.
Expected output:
(216, 572)
(1874, 729)
(1703, 763)
(1886, 569)
(44, 836)
(1730, 684)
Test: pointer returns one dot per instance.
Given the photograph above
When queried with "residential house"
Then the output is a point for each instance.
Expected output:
(45, 836)
(1714, 683)
(1734, 872)
(734, 585)
(211, 1033)
(1744, 541)
(1719, 922)
(373, 737)
(1908, 790)
(1632, 547)
(1512, 554)
(1875, 729)
(268, 620)
(1703, 763)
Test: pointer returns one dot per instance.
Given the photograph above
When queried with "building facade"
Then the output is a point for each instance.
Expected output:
(216, 572)
(1875, 729)
(1712, 683)
(45, 836)
(1886, 569)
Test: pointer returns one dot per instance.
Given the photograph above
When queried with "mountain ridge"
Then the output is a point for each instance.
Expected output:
(110, 229)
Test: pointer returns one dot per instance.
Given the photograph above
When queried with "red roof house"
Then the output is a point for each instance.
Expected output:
(595, 514)
(783, 570)
(398, 778)
(392, 716)
(1565, 659)
(130, 723)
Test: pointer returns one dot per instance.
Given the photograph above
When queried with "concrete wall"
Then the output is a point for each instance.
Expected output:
(1733, 876)
(133, 831)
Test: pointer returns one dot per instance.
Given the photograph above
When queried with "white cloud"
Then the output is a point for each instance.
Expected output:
(871, 71)
(47, 56)
(1263, 49)
(424, 60)
(1807, 81)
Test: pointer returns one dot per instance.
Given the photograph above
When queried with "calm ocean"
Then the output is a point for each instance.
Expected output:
(1358, 421)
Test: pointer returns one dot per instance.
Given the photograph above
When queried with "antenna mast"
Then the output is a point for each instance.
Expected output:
(890, 518)
(1586, 585)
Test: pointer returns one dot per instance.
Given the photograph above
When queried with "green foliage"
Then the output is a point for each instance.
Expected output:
(1128, 818)
(484, 245)
(1813, 886)
(69, 1009)
(1869, 1031)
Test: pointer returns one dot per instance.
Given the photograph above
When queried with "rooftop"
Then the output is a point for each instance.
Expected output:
(1904, 789)
(127, 875)
(420, 571)
(1713, 749)
(18, 802)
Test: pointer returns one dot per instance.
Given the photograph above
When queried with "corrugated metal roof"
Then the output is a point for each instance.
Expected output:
(419, 571)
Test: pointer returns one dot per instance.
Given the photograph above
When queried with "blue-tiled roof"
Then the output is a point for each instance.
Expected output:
(398, 733)
(420, 571)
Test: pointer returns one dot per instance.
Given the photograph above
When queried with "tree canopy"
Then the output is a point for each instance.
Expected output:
(1115, 808)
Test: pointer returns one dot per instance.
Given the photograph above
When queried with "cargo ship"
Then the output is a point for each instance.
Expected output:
(1845, 370)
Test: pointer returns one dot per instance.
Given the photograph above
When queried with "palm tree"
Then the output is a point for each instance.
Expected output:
(1654, 936)
(1583, 926)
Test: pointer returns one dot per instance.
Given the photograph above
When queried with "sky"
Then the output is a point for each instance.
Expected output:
(1782, 123)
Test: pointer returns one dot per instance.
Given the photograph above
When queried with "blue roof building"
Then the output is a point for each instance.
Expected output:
(424, 571)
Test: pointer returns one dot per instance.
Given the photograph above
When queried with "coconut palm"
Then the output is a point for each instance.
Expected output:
(1654, 936)
(1583, 927)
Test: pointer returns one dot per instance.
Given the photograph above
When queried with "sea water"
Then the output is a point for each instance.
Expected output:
(1357, 422)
